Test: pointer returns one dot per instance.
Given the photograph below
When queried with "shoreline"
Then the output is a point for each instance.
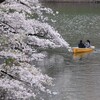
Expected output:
(70, 1)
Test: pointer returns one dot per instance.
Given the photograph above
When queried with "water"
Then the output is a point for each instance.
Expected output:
(75, 77)
(77, 21)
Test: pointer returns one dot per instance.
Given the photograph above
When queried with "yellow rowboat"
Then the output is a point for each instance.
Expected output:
(82, 50)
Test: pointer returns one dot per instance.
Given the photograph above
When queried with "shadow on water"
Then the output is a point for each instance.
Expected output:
(58, 59)
(74, 79)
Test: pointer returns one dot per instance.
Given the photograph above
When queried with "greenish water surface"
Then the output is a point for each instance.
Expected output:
(75, 77)
(77, 21)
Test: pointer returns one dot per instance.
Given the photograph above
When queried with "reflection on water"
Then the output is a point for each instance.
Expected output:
(75, 78)
(81, 55)
(79, 83)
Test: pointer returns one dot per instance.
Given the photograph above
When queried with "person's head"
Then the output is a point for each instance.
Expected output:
(80, 41)
(88, 41)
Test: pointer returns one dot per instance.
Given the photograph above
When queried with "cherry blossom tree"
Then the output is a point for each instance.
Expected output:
(23, 29)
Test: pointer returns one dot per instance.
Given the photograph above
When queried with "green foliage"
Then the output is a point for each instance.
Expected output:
(9, 61)
(12, 10)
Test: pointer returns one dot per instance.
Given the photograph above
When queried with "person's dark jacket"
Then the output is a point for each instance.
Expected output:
(81, 45)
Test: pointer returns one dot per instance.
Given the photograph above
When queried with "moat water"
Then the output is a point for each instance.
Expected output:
(76, 77)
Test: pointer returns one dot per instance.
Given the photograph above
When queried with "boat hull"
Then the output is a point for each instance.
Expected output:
(82, 50)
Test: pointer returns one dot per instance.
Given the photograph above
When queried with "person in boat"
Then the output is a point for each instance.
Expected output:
(87, 44)
(81, 44)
